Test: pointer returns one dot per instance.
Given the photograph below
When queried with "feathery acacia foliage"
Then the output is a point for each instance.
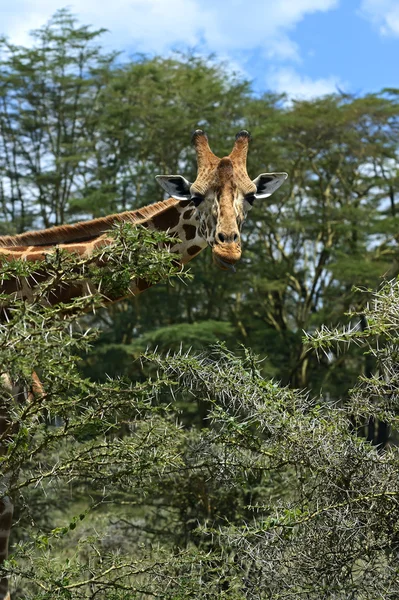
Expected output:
(276, 496)
(321, 511)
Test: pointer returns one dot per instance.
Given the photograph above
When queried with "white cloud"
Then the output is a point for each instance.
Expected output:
(382, 13)
(224, 26)
(301, 87)
(234, 29)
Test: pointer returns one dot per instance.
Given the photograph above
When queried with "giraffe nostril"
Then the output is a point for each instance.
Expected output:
(220, 237)
(235, 237)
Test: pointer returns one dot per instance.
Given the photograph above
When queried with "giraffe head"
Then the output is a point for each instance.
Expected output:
(222, 194)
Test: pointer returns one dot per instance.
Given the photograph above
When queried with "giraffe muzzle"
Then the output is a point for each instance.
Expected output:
(223, 265)
(226, 255)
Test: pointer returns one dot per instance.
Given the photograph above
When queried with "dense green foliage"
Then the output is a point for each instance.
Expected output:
(194, 474)
(120, 496)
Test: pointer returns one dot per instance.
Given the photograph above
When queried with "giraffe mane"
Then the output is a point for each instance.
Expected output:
(85, 230)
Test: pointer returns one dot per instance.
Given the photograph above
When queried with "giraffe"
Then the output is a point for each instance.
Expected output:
(208, 212)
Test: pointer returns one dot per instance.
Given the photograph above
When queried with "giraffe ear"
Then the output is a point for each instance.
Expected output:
(175, 185)
(267, 183)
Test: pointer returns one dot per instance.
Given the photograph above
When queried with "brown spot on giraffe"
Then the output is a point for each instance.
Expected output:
(34, 256)
(167, 220)
(190, 231)
(192, 250)
(184, 203)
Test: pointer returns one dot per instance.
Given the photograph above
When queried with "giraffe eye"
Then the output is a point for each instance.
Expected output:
(197, 199)
(250, 198)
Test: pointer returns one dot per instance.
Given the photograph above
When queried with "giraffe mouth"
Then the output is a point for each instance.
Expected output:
(222, 264)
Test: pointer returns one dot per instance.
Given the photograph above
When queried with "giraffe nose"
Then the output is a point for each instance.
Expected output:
(226, 238)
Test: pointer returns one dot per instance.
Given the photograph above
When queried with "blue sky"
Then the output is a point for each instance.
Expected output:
(303, 47)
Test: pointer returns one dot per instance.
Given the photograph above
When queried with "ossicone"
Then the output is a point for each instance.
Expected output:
(196, 134)
(244, 134)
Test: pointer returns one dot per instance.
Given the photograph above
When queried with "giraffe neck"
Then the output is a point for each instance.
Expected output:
(177, 217)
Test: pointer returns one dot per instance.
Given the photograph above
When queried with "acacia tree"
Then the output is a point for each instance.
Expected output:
(315, 514)
(48, 96)
(276, 497)
(120, 494)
